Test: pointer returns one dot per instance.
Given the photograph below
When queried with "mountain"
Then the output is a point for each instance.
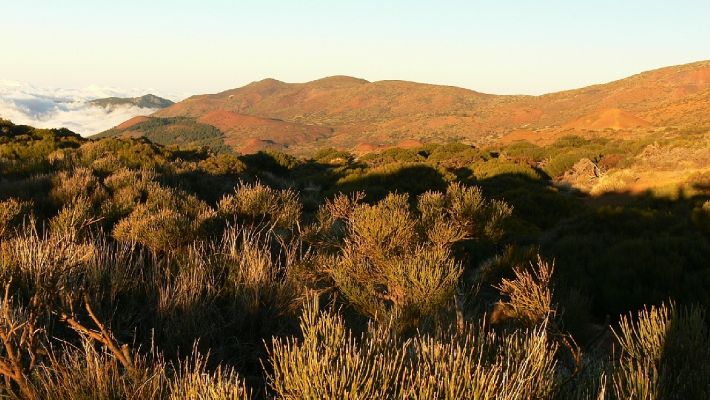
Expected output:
(146, 101)
(351, 113)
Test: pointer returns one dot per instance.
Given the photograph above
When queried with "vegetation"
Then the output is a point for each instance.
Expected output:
(146, 101)
(134, 270)
(181, 131)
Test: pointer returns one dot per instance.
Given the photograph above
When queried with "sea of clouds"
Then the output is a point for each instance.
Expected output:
(43, 107)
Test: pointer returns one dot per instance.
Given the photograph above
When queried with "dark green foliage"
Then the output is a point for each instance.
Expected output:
(147, 101)
(182, 131)
(629, 256)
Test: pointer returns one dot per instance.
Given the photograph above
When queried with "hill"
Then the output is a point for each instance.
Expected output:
(352, 113)
(146, 101)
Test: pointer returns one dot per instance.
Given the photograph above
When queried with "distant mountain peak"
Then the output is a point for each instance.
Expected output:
(338, 80)
(145, 101)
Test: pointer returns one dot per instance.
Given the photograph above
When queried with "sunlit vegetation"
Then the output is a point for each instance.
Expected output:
(135, 270)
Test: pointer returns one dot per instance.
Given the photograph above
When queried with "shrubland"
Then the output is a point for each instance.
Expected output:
(134, 270)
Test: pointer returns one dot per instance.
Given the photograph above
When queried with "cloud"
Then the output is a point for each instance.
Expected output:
(22, 103)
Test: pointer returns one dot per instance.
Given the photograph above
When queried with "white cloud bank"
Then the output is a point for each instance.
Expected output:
(22, 103)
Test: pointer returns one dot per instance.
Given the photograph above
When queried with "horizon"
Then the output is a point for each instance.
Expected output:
(178, 49)
(72, 108)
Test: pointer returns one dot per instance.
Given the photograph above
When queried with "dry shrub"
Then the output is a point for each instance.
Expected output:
(394, 262)
(466, 211)
(68, 185)
(18, 353)
(74, 219)
(239, 283)
(194, 381)
(47, 266)
(185, 290)
(258, 203)
(330, 226)
(55, 270)
(329, 362)
(169, 219)
(88, 372)
(252, 271)
(529, 295)
(478, 364)
(664, 354)
(12, 213)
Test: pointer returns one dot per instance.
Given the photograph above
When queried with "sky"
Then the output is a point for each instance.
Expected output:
(178, 48)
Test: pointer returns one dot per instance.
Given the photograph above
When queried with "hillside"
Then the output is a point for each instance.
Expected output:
(119, 255)
(352, 113)
(146, 101)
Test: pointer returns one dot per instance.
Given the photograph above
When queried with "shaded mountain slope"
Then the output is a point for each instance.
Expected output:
(146, 101)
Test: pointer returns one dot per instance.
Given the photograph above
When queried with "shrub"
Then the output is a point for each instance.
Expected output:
(76, 373)
(333, 156)
(664, 354)
(466, 209)
(169, 219)
(73, 219)
(195, 382)
(257, 203)
(499, 166)
(478, 364)
(528, 296)
(68, 185)
(12, 213)
(222, 164)
(394, 263)
(330, 363)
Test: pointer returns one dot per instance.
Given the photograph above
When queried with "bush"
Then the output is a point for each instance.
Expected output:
(665, 354)
(169, 219)
(81, 182)
(528, 296)
(257, 203)
(13, 212)
(329, 363)
(394, 263)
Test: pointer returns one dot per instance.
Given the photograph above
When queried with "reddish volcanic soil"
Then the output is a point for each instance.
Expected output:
(610, 118)
(246, 131)
(409, 144)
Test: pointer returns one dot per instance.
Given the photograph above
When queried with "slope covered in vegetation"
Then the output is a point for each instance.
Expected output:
(146, 101)
(446, 271)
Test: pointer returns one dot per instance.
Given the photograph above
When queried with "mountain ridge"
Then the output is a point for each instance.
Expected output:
(354, 111)
(145, 101)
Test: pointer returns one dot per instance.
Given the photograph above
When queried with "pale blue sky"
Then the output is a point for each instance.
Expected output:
(211, 45)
